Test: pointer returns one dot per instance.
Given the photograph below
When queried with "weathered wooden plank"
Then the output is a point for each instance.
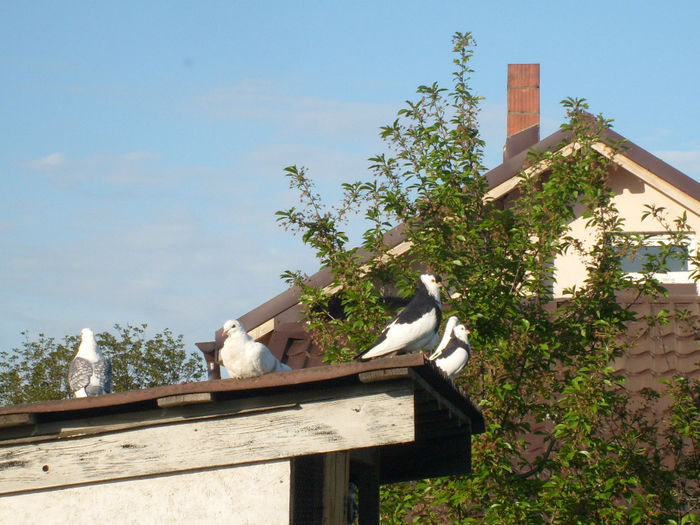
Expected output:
(336, 478)
(368, 417)
(453, 410)
(132, 420)
(185, 399)
(388, 374)
(16, 420)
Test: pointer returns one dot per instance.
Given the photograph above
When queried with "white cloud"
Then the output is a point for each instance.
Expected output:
(118, 169)
(54, 160)
(686, 161)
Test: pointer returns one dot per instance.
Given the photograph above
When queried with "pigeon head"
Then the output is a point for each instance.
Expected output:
(233, 325)
(88, 345)
(432, 283)
(462, 333)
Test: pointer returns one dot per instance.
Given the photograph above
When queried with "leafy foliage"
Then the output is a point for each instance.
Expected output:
(565, 441)
(38, 370)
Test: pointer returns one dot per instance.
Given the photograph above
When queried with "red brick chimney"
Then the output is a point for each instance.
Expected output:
(523, 108)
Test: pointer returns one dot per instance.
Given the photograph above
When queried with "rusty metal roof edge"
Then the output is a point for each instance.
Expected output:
(269, 381)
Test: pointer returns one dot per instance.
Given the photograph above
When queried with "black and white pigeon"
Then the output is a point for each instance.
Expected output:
(416, 326)
(454, 350)
(243, 357)
(90, 373)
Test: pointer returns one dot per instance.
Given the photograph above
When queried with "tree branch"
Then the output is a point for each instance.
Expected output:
(540, 463)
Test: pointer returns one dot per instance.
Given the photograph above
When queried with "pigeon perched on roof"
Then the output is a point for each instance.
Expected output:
(454, 351)
(242, 356)
(90, 373)
(416, 326)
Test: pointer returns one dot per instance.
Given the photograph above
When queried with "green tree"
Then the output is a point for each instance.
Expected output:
(537, 363)
(38, 370)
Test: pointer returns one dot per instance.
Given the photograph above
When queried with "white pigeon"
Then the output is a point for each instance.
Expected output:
(90, 374)
(416, 326)
(242, 356)
(454, 351)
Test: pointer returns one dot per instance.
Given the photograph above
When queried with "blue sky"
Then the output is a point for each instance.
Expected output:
(142, 143)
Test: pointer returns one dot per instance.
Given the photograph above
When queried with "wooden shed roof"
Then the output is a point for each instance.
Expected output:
(444, 417)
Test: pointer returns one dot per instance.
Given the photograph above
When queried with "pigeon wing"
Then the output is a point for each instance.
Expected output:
(103, 373)
(79, 373)
(463, 363)
(454, 345)
(399, 335)
(268, 362)
(454, 357)
(421, 304)
(413, 324)
(454, 363)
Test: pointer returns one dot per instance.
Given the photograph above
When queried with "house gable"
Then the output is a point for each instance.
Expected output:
(638, 178)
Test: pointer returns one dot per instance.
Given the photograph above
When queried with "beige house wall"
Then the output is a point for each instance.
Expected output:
(633, 194)
(248, 494)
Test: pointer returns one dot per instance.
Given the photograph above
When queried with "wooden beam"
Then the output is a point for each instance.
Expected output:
(254, 493)
(394, 252)
(185, 399)
(93, 426)
(336, 474)
(453, 410)
(262, 330)
(508, 185)
(365, 416)
(16, 420)
(388, 374)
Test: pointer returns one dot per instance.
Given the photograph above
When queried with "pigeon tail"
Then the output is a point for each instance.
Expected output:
(447, 334)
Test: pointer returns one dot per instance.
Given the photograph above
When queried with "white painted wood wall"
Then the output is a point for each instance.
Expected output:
(246, 494)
